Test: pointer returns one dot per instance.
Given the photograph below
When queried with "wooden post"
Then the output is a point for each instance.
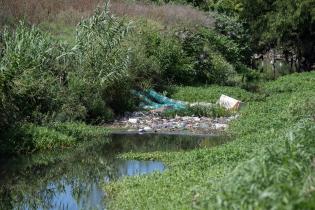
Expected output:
(273, 62)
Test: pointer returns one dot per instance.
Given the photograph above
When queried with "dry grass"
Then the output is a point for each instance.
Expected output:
(36, 11)
(168, 14)
(71, 11)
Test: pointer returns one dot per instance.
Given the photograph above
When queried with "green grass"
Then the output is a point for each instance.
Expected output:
(198, 110)
(29, 138)
(209, 93)
(269, 164)
(81, 131)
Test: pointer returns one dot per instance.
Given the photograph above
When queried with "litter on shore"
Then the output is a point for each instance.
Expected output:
(154, 104)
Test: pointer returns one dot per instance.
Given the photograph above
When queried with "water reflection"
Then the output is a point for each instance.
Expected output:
(149, 142)
(74, 179)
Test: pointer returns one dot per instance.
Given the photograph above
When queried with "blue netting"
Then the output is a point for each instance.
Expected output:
(151, 100)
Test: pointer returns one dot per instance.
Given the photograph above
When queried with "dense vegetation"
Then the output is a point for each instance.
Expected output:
(63, 76)
(89, 77)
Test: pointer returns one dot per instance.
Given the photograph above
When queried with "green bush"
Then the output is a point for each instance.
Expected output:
(235, 29)
(43, 80)
(198, 55)
(221, 71)
(158, 58)
(225, 6)
(31, 69)
(28, 138)
(223, 44)
(215, 56)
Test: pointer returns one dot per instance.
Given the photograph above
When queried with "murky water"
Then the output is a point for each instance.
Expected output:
(74, 179)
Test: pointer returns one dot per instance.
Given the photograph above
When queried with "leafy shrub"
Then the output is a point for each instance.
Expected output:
(197, 55)
(158, 58)
(213, 55)
(232, 27)
(31, 69)
(223, 44)
(225, 6)
(221, 70)
(29, 137)
(145, 67)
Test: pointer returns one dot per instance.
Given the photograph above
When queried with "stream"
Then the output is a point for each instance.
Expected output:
(73, 179)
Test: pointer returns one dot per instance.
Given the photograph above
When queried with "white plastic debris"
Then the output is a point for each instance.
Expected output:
(220, 126)
(229, 103)
(201, 104)
(141, 130)
(133, 120)
(196, 119)
(147, 129)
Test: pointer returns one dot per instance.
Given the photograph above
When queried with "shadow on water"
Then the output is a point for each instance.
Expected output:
(150, 142)
(73, 179)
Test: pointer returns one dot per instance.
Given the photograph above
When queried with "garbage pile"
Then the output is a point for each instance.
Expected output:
(151, 120)
(155, 102)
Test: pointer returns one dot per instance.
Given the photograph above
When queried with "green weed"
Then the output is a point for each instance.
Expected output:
(81, 131)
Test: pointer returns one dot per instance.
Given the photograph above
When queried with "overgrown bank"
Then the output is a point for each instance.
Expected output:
(45, 80)
(269, 164)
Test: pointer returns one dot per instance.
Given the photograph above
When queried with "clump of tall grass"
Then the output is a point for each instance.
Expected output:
(101, 77)
(281, 177)
(31, 71)
(99, 47)
(43, 80)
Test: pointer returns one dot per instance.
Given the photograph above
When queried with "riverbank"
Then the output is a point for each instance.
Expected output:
(30, 138)
(268, 164)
